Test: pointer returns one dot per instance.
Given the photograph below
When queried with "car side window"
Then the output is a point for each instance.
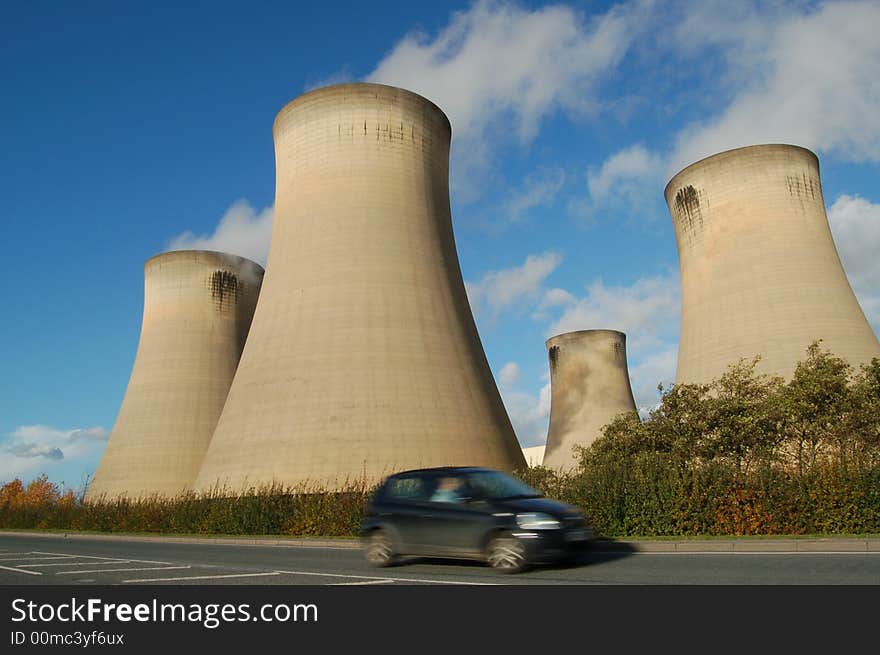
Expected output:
(484, 486)
(408, 489)
(449, 489)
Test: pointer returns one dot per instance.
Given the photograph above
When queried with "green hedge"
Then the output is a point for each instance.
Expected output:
(650, 494)
(744, 454)
(657, 494)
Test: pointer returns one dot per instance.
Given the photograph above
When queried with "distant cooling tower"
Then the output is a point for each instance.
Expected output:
(759, 271)
(589, 386)
(363, 357)
(198, 307)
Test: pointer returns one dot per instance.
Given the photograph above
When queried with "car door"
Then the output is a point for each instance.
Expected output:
(456, 523)
(404, 508)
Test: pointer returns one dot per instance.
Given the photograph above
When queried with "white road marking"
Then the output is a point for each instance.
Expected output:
(27, 558)
(33, 566)
(9, 568)
(140, 561)
(756, 552)
(151, 568)
(373, 577)
(2, 552)
(206, 577)
(376, 581)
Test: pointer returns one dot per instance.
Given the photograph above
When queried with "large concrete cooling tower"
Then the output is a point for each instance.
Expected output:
(363, 358)
(198, 307)
(589, 386)
(759, 271)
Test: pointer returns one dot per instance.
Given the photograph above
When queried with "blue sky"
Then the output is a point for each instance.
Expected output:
(130, 128)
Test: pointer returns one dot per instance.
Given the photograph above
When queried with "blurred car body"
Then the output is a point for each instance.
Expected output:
(473, 513)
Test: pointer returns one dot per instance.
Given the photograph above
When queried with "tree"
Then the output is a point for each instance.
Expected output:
(814, 403)
(862, 423)
(742, 414)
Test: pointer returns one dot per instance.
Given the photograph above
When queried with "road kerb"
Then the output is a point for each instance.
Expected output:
(765, 546)
(752, 545)
(832, 545)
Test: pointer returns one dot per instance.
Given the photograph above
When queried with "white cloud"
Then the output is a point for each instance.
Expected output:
(342, 76)
(627, 183)
(529, 414)
(241, 231)
(550, 299)
(503, 289)
(538, 190)
(556, 297)
(855, 224)
(808, 77)
(781, 72)
(654, 368)
(499, 69)
(28, 450)
(626, 166)
(745, 25)
(33, 449)
(648, 312)
(509, 374)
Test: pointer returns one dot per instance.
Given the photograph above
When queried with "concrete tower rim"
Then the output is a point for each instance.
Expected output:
(181, 254)
(573, 334)
(334, 89)
(704, 161)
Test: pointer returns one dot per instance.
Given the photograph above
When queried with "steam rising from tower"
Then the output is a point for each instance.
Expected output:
(198, 307)
(363, 357)
(759, 271)
(589, 386)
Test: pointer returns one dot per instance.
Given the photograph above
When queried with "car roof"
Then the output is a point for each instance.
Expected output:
(442, 469)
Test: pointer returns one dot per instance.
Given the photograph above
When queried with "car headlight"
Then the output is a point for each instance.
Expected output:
(536, 521)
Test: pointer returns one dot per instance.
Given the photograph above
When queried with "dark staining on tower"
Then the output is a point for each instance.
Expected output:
(803, 188)
(386, 132)
(554, 357)
(688, 210)
(392, 133)
(225, 287)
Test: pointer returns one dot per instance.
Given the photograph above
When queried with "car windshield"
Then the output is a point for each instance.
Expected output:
(496, 486)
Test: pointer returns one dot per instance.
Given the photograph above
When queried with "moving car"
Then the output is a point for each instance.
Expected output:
(473, 513)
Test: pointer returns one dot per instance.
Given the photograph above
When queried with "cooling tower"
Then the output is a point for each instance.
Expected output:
(589, 386)
(363, 357)
(198, 307)
(759, 271)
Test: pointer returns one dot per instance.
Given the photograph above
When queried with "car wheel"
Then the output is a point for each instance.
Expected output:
(507, 554)
(379, 550)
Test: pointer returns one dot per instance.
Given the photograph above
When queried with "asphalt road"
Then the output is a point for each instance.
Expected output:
(26, 559)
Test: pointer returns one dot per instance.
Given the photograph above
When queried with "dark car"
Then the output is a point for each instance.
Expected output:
(473, 513)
